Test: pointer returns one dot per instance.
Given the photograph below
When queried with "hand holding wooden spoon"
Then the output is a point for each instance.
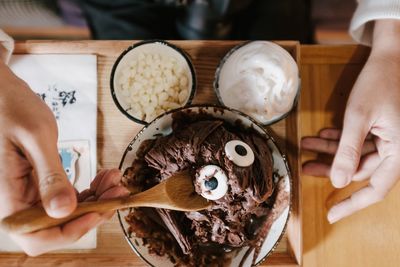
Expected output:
(175, 193)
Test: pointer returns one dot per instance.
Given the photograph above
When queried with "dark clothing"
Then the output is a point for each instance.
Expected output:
(199, 19)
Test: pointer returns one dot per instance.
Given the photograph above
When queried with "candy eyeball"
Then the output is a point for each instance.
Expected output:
(213, 182)
(239, 153)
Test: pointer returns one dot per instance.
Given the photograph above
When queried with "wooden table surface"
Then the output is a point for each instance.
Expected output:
(369, 238)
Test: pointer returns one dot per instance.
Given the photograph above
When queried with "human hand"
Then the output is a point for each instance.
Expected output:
(327, 143)
(31, 171)
(28, 141)
(3, 53)
(106, 185)
(373, 107)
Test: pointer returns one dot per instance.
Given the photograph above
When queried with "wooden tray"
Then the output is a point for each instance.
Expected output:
(115, 131)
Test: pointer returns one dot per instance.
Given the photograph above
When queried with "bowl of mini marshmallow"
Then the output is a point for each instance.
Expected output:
(150, 78)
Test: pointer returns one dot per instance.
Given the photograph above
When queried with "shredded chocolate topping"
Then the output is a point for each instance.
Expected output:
(232, 221)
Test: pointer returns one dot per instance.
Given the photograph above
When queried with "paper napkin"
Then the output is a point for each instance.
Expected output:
(68, 85)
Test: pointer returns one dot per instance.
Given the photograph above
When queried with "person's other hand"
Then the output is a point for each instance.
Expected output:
(327, 142)
(31, 169)
(373, 107)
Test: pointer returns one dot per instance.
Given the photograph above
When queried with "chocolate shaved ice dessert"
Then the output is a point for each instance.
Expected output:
(232, 167)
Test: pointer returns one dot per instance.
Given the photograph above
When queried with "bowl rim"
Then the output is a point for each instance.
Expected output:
(266, 133)
(218, 71)
(185, 56)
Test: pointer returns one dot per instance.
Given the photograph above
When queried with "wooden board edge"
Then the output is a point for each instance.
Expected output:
(281, 259)
(294, 228)
(334, 54)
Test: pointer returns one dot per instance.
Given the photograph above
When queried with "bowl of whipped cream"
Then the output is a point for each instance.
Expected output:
(259, 78)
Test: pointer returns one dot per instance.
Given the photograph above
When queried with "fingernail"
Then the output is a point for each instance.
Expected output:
(340, 179)
(332, 217)
(60, 203)
(108, 216)
(100, 222)
(335, 213)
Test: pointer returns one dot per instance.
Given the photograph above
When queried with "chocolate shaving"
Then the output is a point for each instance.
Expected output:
(170, 221)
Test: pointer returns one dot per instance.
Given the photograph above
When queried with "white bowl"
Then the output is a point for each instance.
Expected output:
(162, 125)
(150, 47)
(241, 69)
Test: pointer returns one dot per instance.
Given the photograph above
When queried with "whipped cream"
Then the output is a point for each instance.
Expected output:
(260, 79)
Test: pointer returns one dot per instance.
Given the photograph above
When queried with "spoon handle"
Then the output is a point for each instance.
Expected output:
(36, 218)
(175, 193)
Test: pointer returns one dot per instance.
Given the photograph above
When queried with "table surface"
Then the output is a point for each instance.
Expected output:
(368, 238)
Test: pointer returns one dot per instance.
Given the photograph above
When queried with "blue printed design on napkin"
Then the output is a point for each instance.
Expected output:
(57, 98)
(69, 157)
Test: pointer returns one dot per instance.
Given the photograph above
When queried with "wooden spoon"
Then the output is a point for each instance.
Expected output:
(175, 193)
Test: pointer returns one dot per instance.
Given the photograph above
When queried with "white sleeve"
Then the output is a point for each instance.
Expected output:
(8, 44)
(367, 12)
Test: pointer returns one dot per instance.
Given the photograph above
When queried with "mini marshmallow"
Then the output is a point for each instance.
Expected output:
(155, 80)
